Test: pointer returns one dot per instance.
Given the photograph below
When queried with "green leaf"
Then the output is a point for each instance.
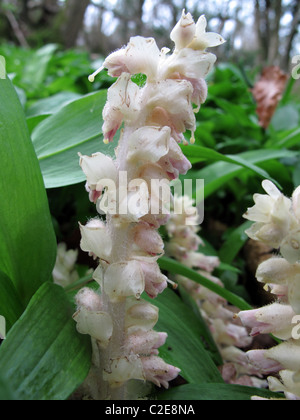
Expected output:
(215, 392)
(51, 104)
(175, 267)
(43, 356)
(183, 347)
(234, 243)
(285, 118)
(35, 69)
(217, 174)
(27, 239)
(10, 304)
(290, 140)
(204, 153)
(58, 139)
(207, 338)
(6, 393)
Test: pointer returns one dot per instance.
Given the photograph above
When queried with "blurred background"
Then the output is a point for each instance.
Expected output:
(258, 32)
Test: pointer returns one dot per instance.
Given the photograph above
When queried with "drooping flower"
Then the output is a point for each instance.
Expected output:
(277, 222)
(152, 120)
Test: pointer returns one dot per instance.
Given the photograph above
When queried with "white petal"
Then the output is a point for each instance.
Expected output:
(123, 369)
(98, 325)
(140, 315)
(271, 189)
(290, 247)
(184, 31)
(98, 167)
(294, 293)
(287, 354)
(95, 239)
(124, 279)
(148, 144)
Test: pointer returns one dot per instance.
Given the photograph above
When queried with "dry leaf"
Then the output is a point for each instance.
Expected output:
(267, 92)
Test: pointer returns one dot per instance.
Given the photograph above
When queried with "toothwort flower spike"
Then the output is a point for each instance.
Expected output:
(153, 120)
(277, 223)
(228, 333)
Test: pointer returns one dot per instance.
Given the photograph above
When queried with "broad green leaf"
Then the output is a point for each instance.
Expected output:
(27, 240)
(175, 267)
(217, 174)
(204, 153)
(51, 104)
(75, 128)
(215, 392)
(43, 356)
(183, 347)
(35, 69)
(207, 338)
(6, 393)
(10, 303)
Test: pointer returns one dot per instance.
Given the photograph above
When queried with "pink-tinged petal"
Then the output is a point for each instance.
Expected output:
(259, 359)
(158, 371)
(275, 318)
(141, 55)
(155, 281)
(148, 240)
(145, 342)
(88, 299)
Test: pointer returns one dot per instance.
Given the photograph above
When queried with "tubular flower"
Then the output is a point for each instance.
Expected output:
(151, 121)
(229, 335)
(277, 223)
(64, 272)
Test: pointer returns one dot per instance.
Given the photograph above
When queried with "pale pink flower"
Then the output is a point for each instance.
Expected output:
(158, 371)
(272, 216)
(123, 104)
(140, 315)
(148, 240)
(261, 361)
(275, 318)
(155, 281)
(145, 342)
(141, 55)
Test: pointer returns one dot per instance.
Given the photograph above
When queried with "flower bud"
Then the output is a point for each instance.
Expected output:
(148, 240)
(88, 299)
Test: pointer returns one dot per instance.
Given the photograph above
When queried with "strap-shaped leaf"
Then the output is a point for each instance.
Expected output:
(215, 392)
(184, 347)
(27, 240)
(59, 138)
(43, 356)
